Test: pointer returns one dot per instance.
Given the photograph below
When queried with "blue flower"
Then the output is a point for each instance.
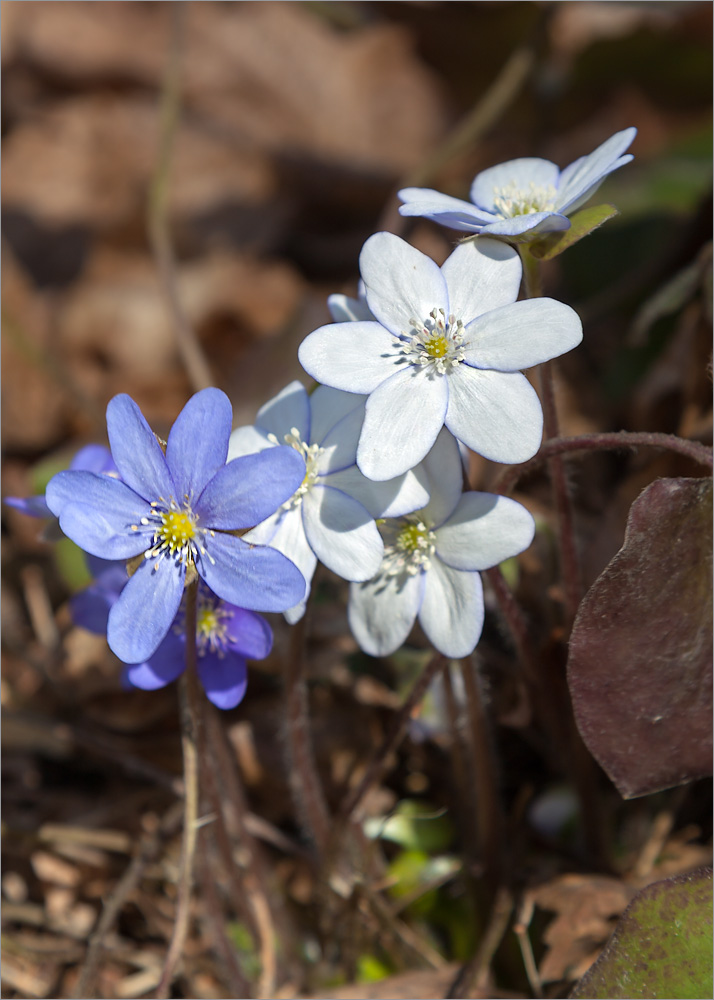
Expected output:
(226, 636)
(178, 510)
(91, 458)
(522, 199)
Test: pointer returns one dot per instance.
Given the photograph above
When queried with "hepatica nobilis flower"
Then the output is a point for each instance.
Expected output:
(178, 510)
(331, 515)
(431, 564)
(445, 348)
(226, 636)
(523, 198)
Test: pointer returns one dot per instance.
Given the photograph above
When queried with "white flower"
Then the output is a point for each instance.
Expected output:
(446, 347)
(431, 563)
(525, 198)
(331, 515)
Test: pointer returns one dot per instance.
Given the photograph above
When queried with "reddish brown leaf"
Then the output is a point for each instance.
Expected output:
(641, 650)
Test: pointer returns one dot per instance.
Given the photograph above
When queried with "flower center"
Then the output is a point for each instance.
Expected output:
(511, 200)
(436, 342)
(311, 453)
(211, 628)
(410, 547)
(175, 532)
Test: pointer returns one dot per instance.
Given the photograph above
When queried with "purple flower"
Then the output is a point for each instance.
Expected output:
(522, 199)
(179, 511)
(226, 636)
(91, 458)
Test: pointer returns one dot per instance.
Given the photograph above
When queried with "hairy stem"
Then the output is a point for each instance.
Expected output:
(393, 736)
(190, 745)
(189, 347)
(305, 780)
(608, 441)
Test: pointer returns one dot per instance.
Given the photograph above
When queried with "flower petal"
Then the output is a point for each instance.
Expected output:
(481, 275)
(102, 523)
(198, 442)
(255, 577)
(402, 420)
(355, 357)
(290, 539)
(451, 613)
(251, 488)
(484, 530)
(444, 473)
(401, 283)
(340, 444)
(247, 440)
(521, 335)
(93, 458)
(496, 414)
(32, 506)
(343, 309)
(224, 678)
(441, 208)
(382, 612)
(389, 498)
(136, 452)
(579, 180)
(328, 407)
(342, 533)
(142, 616)
(167, 663)
(290, 408)
(533, 224)
(521, 175)
(249, 634)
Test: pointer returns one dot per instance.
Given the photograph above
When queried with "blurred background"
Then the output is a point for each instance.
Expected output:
(269, 139)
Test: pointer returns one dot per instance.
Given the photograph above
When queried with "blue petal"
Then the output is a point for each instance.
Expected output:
(32, 506)
(519, 174)
(102, 522)
(138, 455)
(290, 408)
(145, 611)
(198, 443)
(224, 678)
(251, 488)
(533, 223)
(581, 178)
(251, 576)
(90, 608)
(93, 458)
(250, 635)
(162, 668)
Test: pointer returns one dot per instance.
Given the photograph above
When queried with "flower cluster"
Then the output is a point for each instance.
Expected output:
(364, 474)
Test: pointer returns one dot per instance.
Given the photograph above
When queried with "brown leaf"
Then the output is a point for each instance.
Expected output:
(641, 650)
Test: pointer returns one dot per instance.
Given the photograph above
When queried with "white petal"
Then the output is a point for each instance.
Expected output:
(581, 178)
(262, 533)
(444, 473)
(289, 538)
(342, 533)
(343, 309)
(356, 357)
(452, 610)
(517, 174)
(402, 419)
(247, 440)
(290, 408)
(390, 498)
(522, 334)
(484, 530)
(401, 282)
(496, 414)
(328, 406)
(340, 444)
(382, 612)
(481, 275)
